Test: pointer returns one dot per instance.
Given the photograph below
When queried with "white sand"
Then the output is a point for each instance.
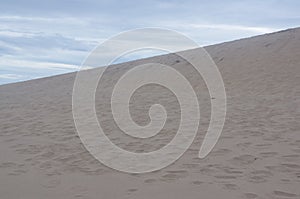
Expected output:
(257, 156)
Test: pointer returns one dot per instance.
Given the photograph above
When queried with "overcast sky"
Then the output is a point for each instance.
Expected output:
(43, 38)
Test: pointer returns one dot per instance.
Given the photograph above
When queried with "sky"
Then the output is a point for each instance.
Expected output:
(44, 38)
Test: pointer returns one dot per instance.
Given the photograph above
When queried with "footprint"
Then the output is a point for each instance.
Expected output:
(220, 152)
(149, 180)
(190, 165)
(210, 169)
(284, 194)
(259, 176)
(169, 176)
(177, 171)
(268, 154)
(8, 165)
(250, 195)
(197, 182)
(231, 186)
(130, 191)
(265, 145)
(51, 183)
(173, 175)
(291, 166)
(285, 180)
(256, 133)
(244, 159)
(291, 158)
(244, 145)
(226, 177)
(18, 172)
(229, 170)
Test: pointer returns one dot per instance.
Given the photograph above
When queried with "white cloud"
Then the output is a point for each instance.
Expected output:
(11, 62)
(11, 76)
(230, 27)
(58, 20)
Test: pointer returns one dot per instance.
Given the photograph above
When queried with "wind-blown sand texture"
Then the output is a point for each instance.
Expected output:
(257, 156)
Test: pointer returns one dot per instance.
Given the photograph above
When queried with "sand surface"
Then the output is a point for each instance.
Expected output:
(257, 156)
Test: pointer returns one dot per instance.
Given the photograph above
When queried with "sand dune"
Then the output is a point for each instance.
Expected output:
(257, 156)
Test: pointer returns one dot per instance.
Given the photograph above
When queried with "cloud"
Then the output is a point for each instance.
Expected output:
(28, 55)
(57, 20)
(41, 49)
(10, 76)
(230, 27)
(11, 62)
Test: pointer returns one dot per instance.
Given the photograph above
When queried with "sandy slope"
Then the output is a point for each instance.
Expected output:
(258, 155)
